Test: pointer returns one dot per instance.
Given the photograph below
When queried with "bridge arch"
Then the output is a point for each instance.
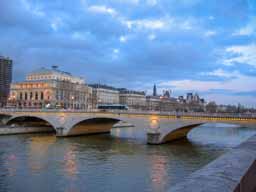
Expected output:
(178, 133)
(92, 126)
(31, 121)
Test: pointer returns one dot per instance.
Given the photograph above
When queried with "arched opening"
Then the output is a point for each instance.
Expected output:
(93, 126)
(31, 124)
(178, 133)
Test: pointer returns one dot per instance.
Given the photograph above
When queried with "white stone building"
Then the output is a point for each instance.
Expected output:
(50, 88)
(133, 99)
(103, 94)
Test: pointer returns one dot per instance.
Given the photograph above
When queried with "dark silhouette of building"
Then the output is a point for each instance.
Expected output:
(5, 79)
(154, 91)
(166, 94)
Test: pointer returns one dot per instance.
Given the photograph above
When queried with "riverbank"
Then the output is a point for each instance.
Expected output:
(24, 130)
(232, 172)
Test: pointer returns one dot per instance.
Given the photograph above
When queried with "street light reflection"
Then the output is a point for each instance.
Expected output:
(12, 164)
(39, 147)
(70, 163)
(158, 172)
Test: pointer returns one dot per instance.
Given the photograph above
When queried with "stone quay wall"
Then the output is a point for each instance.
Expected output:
(234, 171)
(24, 130)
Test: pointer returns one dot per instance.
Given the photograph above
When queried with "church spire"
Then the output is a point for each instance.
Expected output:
(154, 90)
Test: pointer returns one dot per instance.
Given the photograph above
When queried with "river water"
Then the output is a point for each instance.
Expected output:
(120, 161)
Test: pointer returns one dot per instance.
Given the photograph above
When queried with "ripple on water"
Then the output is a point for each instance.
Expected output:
(117, 162)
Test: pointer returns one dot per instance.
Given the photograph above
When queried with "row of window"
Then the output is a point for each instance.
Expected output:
(61, 95)
(30, 96)
(61, 78)
(48, 77)
(37, 85)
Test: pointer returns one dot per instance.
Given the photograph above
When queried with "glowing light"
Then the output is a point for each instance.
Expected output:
(154, 123)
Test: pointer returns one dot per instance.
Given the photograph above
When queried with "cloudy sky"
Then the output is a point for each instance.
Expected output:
(202, 46)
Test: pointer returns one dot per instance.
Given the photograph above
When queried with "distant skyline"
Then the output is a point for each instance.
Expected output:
(208, 47)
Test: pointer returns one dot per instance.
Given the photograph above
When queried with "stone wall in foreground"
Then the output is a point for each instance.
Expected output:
(234, 171)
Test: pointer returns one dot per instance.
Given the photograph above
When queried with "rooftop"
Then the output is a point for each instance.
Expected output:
(54, 69)
(126, 91)
(53, 73)
(102, 86)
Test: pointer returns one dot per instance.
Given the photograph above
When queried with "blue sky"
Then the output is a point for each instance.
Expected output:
(202, 46)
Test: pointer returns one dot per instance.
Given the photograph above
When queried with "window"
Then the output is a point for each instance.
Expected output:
(36, 96)
(42, 96)
(26, 96)
(31, 96)
(21, 96)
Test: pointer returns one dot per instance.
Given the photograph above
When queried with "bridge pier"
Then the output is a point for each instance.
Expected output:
(59, 131)
(153, 138)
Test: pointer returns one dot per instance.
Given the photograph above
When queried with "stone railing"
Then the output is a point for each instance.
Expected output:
(173, 113)
(235, 171)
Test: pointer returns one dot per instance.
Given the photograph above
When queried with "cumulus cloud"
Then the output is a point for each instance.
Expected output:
(32, 8)
(236, 82)
(222, 73)
(151, 37)
(56, 23)
(78, 36)
(146, 24)
(123, 39)
(152, 2)
(210, 33)
(243, 54)
(144, 41)
(132, 2)
(248, 29)
(102, 9)
(166, 23)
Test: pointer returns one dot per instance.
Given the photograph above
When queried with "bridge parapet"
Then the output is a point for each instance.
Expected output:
(174, 114)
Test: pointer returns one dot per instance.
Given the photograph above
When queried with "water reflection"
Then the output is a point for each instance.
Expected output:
(70, 165)
(159, 171)
(71, 169)
(220, 134)
(11, 164)
(38, 150)
(117, 162)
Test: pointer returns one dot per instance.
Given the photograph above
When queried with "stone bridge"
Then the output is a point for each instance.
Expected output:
(160, 128)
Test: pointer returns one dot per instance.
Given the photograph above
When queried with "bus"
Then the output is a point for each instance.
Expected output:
(112, 107)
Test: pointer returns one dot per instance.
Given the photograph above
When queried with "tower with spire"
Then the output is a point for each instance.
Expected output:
(154, 90)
